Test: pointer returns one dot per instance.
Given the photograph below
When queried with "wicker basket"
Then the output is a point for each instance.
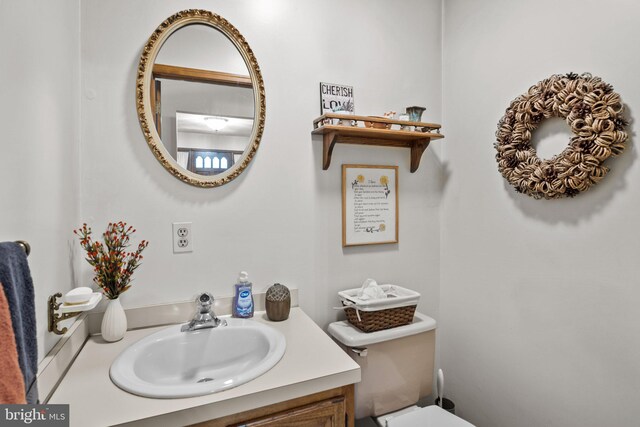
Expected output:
(371, 321)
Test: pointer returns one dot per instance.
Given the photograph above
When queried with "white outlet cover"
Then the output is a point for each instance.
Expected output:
(182, 237)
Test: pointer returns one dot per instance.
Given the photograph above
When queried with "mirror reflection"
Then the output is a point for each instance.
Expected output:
(202, 100)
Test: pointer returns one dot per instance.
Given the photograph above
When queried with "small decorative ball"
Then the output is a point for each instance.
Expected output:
(278, 302)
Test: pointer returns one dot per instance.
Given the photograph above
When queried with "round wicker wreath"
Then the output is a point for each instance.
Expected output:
(595, 114)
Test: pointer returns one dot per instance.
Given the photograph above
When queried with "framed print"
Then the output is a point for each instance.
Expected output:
(335, 98)
(369, 205)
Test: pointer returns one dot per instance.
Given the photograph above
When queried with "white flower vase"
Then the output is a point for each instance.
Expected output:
(114, 322)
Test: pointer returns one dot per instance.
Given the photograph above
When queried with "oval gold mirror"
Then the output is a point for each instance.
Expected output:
(200, 98)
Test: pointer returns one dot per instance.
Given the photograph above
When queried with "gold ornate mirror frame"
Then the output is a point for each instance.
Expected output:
(143, 95)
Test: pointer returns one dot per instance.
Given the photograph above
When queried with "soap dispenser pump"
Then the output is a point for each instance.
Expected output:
(243, 299)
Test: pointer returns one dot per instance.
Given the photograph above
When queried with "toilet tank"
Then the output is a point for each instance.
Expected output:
(396, 364)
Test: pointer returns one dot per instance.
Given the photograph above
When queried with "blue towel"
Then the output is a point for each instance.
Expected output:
(18, 288)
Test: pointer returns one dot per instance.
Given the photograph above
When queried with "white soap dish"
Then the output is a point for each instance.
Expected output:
(94, 299)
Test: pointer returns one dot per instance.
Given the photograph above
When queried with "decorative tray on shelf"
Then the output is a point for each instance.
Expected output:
(377, 131)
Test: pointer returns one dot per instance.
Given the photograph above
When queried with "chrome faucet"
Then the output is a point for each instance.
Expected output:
(205, 317)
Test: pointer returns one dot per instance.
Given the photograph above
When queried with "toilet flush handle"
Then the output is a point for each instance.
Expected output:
(360, 351)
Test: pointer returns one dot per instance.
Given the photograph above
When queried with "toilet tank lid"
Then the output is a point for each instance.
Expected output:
(351, 336)
(429, 416)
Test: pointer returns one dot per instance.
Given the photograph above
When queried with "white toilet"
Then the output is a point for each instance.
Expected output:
(397, 370)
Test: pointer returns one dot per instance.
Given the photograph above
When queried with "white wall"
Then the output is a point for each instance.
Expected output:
(280, 220)
(39, 165)
(539, 299)
(202, 47)
(204, 99)
(209, 141)
(538, 323)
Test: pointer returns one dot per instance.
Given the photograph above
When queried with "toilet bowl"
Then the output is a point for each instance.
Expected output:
(396, 368)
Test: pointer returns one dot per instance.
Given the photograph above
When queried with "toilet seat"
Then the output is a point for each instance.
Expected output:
(431, 416)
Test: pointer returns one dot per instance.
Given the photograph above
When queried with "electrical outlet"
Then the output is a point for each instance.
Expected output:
(182, 237)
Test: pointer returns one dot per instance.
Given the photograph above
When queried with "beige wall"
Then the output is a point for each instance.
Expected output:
(539, 299)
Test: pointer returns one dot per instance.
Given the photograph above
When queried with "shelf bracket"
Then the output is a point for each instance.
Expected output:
(328, 142)
(55, 318)
(417, 148)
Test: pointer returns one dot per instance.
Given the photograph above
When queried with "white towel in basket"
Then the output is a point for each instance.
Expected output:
(371, 290)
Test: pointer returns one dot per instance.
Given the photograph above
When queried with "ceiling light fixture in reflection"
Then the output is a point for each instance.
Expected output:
(215, 123)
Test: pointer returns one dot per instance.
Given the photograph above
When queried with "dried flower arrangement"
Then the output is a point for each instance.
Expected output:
(112, 264)
(595, 114)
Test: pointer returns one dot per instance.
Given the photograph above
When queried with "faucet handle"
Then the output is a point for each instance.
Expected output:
(204, 300)
(205, 317)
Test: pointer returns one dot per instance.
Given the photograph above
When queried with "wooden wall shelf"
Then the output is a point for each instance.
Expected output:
(360, 130)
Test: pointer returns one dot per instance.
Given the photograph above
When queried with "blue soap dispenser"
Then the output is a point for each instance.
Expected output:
(243, 299)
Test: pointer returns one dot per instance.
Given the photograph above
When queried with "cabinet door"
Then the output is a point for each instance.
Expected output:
(326, 413)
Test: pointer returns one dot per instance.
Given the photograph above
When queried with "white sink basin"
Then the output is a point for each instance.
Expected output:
(171, 363)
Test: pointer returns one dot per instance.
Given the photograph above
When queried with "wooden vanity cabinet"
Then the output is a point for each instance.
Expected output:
(331, 408)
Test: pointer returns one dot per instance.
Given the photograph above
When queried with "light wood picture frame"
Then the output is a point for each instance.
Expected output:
(369, 205)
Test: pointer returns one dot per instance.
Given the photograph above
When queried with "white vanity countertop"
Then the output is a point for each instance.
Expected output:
(311, 363)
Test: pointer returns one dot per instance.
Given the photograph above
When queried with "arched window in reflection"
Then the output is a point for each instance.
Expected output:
(210, 162)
